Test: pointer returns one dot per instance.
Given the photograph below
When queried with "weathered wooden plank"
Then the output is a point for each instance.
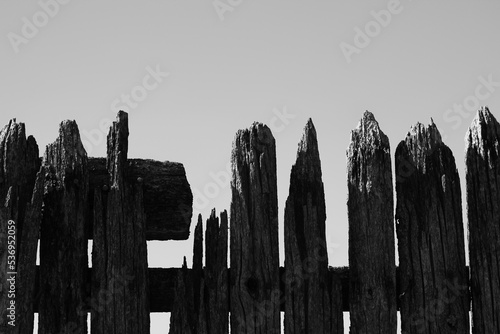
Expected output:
(120, 253)
(370, 204)
(183, 318)
(216, 274)
(338, 284)
(63, 245)
(188, 311)
(483, 203)
(199, 320)
(254, 254)
(168, 200)
(20, 204)
(434, 297)
(307, 287)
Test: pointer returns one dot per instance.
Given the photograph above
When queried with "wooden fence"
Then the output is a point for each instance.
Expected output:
(67, 198)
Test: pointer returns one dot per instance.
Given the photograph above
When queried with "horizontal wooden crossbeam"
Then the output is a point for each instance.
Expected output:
(162, 285)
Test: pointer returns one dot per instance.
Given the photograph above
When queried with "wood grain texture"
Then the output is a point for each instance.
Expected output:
(254, 255)
(183, 317)
(216, 297)
(308, 298)
(434, 297)
(20, 201)
(120, 286)
(483, 211)
(370, 205)
(63, 245)
(168, 200)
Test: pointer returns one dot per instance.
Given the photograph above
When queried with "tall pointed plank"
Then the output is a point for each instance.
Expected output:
(429, 226)
(255, 290)
(216, 282)
(21, 205)
(483, 211)
(307, 297)
(63, 244)
(372, 268)
(121, 289)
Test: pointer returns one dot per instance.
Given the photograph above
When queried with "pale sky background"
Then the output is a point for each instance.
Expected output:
(263, 58)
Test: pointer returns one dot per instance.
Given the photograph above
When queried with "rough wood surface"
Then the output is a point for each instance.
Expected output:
(188, 311)
(216, 298)
(63, 245)
(203, 293)
(434, 297)
(370, 204)
(120, 286)
(19, 164)
(255, 291)
(162, 283)
(183, 317)
(483, 204)
(198, 283)
(168, 201)
(307, 286)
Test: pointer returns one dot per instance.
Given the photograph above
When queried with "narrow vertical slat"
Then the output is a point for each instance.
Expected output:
(183, 317)
(255, 291)
(198, 283)
(308, 298)
(483, 210)
(216, 281)
(372, 268)
(121, 298)
(20, 201)
(434, 297)
(63, 243)
(336, 302)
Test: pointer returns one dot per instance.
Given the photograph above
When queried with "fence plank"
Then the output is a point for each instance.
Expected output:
(307, 287)
(168, 201)
(63, 245)
(120, 287)
(429, 225)
(21, 203)
(183, 316)
(216, 298)
(198, 282)
(255, 291)
(372, 289)
(483, 202)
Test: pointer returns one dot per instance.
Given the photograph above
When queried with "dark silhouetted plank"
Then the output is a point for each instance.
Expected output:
(255, 292)
(308, 290)
(63, 244)
(434, 297)
(370, 204)
(483, 202)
